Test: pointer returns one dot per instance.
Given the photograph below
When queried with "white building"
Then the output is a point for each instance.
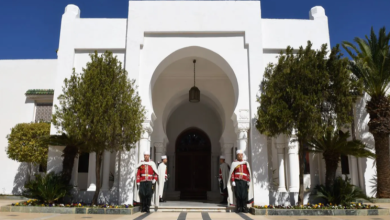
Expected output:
(232, 44)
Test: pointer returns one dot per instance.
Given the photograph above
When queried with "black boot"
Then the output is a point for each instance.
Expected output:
(148, 205)
(238, 206)
(162, 200)
(143, 207)
(244, 206)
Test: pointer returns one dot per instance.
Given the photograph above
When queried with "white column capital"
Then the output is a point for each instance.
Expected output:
(293, 146)
(160, 148)
(243, 114)
(228, 146)
(243, 126)
(158, 144)
(241, 129)
(280, 147)
(147, 130)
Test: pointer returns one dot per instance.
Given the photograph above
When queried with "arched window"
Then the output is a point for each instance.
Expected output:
(193, 140)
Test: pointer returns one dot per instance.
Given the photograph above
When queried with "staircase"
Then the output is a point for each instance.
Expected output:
(192, 206)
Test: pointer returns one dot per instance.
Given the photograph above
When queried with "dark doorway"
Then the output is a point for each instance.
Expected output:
(193, 164)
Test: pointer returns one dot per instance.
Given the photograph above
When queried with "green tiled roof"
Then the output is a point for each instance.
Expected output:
(40, 92)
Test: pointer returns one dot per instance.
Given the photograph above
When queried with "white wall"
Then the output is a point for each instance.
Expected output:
(16, 77)
(365, 166)
(100, 33)
(280, 33)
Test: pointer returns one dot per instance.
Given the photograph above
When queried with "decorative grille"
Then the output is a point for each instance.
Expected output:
(43, 112)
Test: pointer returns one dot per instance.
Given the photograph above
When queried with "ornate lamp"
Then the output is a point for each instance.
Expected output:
(194, 91)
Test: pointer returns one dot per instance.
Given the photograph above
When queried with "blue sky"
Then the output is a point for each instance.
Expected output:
(29, 29)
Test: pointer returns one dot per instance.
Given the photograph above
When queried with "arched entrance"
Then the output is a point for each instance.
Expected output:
(193, 164)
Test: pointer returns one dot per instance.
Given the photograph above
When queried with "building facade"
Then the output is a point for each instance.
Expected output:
(232, 44)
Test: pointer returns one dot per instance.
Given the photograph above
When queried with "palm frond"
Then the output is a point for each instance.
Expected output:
(371, 61)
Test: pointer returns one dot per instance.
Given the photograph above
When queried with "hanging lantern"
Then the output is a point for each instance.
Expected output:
(194, 94)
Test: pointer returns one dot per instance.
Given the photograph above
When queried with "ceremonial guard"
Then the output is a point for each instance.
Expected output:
(240, 183)
(147, 176)
(223, 179)
(162, 173)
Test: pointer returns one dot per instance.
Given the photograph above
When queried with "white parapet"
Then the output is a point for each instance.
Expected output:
(317, 12)
(72, 11)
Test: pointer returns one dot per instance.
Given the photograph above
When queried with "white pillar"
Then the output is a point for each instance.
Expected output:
(144, 143)
(354, 173)
(227, 152)
(280, 145)
(115, 185)
(106, 170)
(92, 172)
(293, 162)
(75, 173)
(159, 151)
(54, 163)
(114, 191)
(242, 141)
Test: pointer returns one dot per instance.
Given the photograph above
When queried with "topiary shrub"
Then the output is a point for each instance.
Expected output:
(48, 188)
(341, 192)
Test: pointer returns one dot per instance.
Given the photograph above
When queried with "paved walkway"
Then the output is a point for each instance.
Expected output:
(176, 215)
(179, 216)
(191, 204)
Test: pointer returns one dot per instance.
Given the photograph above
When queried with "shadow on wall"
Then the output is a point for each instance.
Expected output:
(55, 159)
(363, 134)
(21, 177)
(259, 159)
(127, 176)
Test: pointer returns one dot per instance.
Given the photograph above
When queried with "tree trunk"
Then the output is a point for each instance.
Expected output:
(382, 165)
(379, 126)
(353, 131)
(331, 164)
(29, 172)
(98, 179)
(70, 152)
(301, 153)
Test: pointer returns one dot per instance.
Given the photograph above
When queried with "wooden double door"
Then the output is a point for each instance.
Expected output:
(193, 160)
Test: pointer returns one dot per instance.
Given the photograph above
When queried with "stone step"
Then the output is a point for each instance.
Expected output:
(192, 209)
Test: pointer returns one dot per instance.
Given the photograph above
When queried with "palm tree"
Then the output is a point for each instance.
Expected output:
(371, 63)
(332, 145)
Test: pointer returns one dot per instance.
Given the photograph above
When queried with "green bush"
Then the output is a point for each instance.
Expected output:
(25, 143)
(341, 192)
(48, 188)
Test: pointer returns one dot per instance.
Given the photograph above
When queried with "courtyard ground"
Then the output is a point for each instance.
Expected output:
(180, 216)
(177, 215)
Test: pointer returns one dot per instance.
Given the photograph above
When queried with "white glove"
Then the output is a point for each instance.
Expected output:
(138, 184)
(153, 181)
(233, 183)
(219, 180)
(248, 183)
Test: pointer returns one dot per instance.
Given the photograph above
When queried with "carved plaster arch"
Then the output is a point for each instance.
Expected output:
(195, 51)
